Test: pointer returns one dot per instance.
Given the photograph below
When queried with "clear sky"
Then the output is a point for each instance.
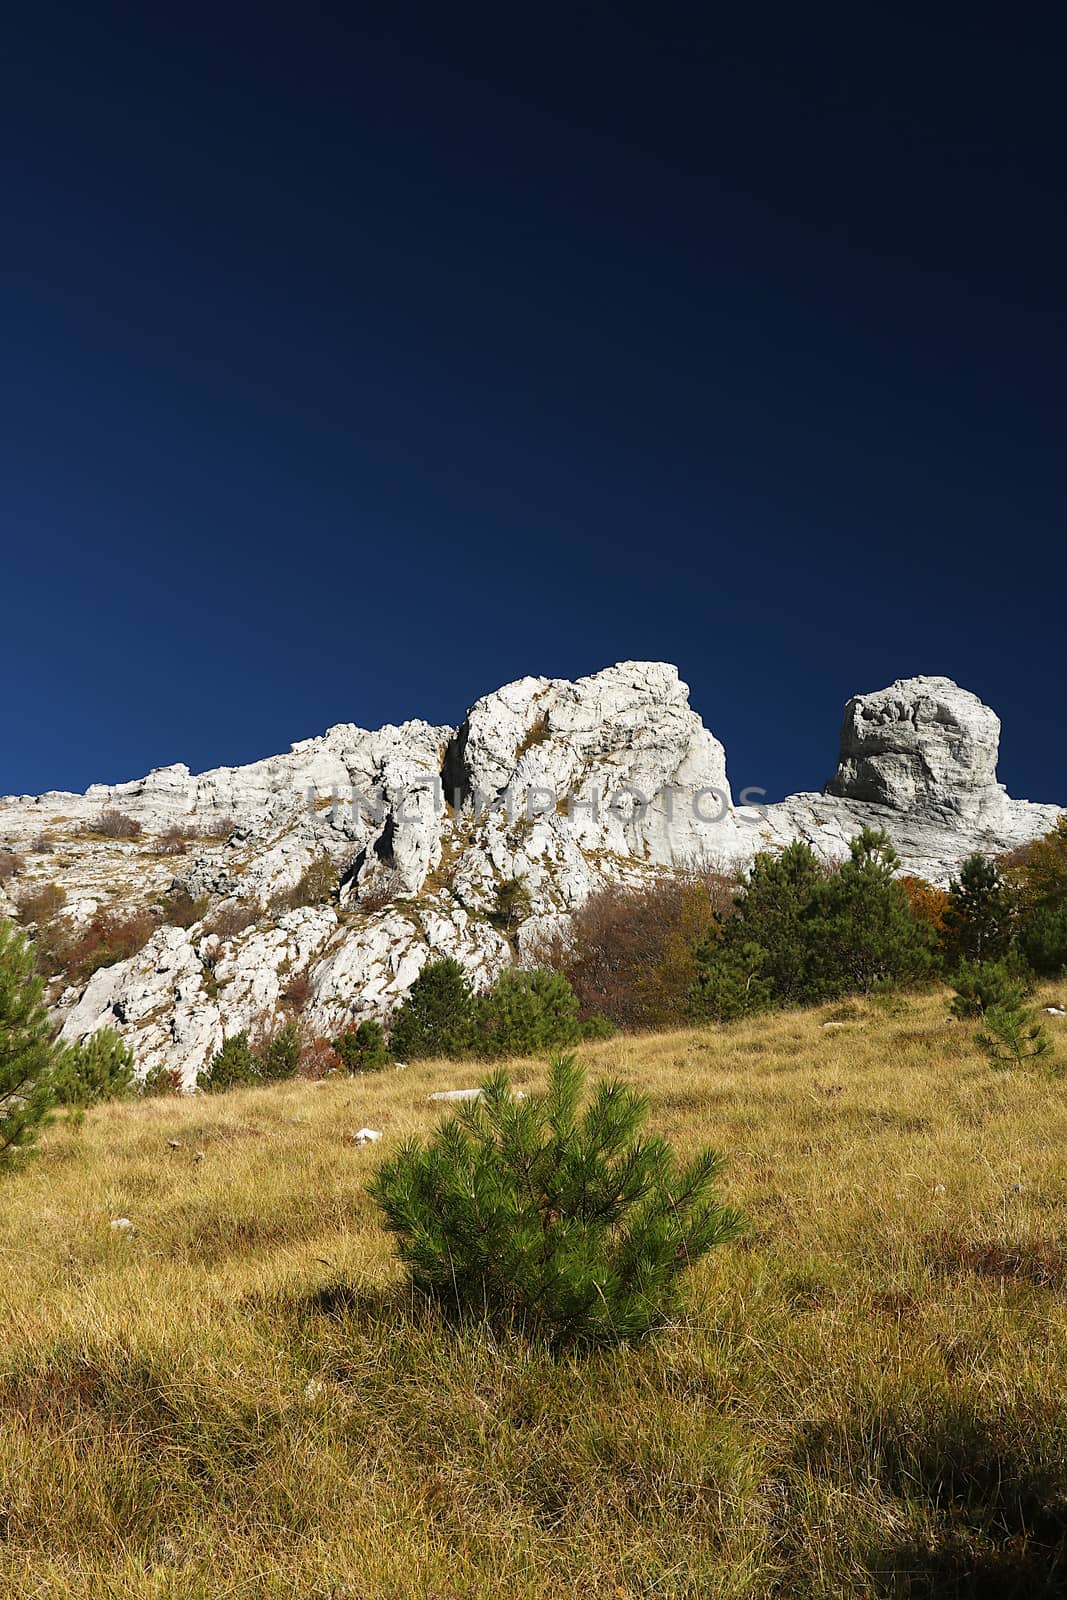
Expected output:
(357, 360)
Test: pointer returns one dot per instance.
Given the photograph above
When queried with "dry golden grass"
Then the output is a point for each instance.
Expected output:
(867, 1397)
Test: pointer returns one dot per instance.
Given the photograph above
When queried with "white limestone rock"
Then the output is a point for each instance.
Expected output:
(923, 746)
(157, 1001)
(619, 754)
(569, 786)
(375, 959)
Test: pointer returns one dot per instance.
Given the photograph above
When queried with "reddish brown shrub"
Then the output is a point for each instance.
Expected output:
(318, 1058)
(112, 824)
(173, 841)
(629, 953)
(228, 921)
(111, 936)
(927, 903)
(40, 902)
(181, 910)
(380, 891)
(297, 992)
(161, 1080)
(10, 865)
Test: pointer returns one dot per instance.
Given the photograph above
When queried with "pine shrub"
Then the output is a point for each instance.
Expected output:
(978, 918)
(1043, 939)
(28, 1054)
(983, 986)
(1012, 1036)
(438, 1016)
(363, 1048)
(528, 1010)
(230, 1067)
(511, 905)
(273, 1056)
(803, 933)
(277, 1054)
(99, 1068)
(571, 1225)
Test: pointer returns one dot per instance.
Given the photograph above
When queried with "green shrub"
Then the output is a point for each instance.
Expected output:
(861, 933)
(317, 885)
(99, 1068)
(230, 1066)
(1038, 872)
(511, 905)
(803, 933)
(28, 1054)
(982, 986)
(363, 1048)
(161, 1080)
(438, 1017)
(571, 1225)
(1043, 939)
(277, 1056)
(274, 1056)
(732, 981)
(598, 1027)
(528, 1010)
(978, 918)
(1012, 1036)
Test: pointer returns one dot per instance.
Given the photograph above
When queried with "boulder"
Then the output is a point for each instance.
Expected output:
(923, 746)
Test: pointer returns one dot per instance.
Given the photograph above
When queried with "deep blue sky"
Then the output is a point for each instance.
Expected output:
(356, 360)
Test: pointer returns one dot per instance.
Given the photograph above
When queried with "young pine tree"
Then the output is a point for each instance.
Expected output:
(978, 920)
(568, 1224)
(230, 1066)
(860, 931)
(437, 1017)
(1012, 1036)
(1043, 939)
(527, 1010)
(512, 905)
(363, 1048)
(28, 1055)
(759, 959)
(984, 986)
(99, 1068)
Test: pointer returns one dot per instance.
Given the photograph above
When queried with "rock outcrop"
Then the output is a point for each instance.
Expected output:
(922, 745)
(566, 785)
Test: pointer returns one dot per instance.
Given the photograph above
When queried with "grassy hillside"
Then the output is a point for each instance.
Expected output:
(866, 1398)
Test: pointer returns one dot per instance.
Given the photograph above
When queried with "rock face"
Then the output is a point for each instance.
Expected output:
(566, 785)
(922, 745)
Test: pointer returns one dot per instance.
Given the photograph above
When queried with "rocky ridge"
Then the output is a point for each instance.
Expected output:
(566, 785)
